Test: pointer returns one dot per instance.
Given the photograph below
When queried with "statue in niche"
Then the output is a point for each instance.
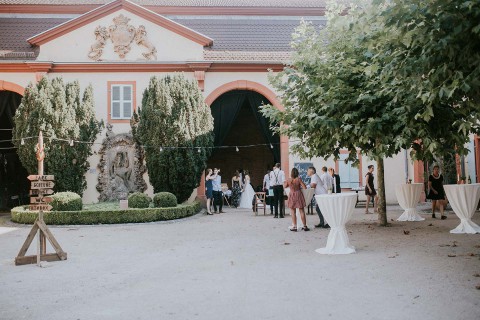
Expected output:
(121, 167)
(122, 35)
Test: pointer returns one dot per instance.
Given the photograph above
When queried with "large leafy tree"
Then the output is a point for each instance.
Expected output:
(176, 127)
(384, 77)
(60, 111)
(329, 103)
(431, 64)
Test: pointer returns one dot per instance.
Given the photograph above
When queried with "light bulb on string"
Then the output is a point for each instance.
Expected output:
(161, 149)
(271, 146)
(22, 142)
(236, 148)
(199, 150)
(71, 143)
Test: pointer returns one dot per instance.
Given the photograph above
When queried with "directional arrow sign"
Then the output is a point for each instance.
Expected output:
(42, 185)
(36, 177)
(38, 207)
(35, 192)
(38, 200)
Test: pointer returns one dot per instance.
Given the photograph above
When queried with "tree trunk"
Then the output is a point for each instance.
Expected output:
(382, 203)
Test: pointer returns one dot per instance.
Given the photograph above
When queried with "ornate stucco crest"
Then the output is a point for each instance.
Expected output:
(122, 35)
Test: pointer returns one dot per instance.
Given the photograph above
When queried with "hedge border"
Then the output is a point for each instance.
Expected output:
(131, 215)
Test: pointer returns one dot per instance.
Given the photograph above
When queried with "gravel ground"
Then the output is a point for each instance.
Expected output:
(238, 266)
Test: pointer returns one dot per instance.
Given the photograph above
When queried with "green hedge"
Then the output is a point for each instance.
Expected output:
(131, 215)
(66, 201)
(164, 200)
(139, 200)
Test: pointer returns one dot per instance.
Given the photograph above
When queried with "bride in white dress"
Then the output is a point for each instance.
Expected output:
(247, 194)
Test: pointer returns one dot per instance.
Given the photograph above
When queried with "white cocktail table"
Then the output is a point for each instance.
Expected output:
(337, 209)
(464, 200)
(408, 196)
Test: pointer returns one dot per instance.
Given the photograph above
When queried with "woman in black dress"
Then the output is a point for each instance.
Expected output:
(209, 189)
(436, 192)
(370, 190)
(236, 189)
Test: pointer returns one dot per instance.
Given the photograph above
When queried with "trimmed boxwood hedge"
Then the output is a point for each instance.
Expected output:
(131, 215)
(164, 200)
(139, 200)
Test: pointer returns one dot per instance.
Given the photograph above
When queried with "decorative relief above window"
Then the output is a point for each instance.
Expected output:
(122, 36)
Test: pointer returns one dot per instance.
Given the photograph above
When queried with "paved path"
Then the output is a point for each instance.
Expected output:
(238, 266)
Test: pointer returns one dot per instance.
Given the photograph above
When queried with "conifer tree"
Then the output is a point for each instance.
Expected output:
(176, 127)
(59, 110)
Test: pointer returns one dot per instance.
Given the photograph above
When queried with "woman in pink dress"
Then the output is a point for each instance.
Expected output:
(296, 199)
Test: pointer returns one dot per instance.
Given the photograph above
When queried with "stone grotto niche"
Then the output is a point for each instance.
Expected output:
(121, 167)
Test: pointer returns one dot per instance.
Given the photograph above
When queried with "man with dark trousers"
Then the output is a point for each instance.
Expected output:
(217, 191)
(277, 178)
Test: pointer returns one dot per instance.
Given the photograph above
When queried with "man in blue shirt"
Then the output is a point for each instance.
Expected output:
(217, 191)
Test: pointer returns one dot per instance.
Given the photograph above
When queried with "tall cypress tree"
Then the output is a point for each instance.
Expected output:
(176, 127)
(59, 110)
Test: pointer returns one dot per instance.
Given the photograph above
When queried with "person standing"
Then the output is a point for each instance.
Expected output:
(436, 192)
(266, 188)
(248, 194)
(336, 180)
(317, 184)
(296, 200)
(277, 179)
(370, 190)
(217, 191)
(236, 189)
(209, 190)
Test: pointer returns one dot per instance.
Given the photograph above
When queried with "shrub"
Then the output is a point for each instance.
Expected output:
(61, 111)
(66, 201)
(139, 200)
(98, 216)
(164, 200)
(174, 113)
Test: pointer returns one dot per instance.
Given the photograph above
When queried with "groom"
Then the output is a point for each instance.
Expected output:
(217, 191)
(277, 178)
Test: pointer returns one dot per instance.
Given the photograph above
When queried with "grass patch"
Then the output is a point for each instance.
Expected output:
(106, 213)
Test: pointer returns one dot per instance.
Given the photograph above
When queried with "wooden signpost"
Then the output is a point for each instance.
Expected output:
(41, 186)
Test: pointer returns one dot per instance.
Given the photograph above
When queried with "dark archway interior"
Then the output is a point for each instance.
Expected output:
(14, 185)
(238, 122)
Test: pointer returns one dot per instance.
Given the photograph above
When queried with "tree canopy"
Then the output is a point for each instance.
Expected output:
(353, 85)
(176, 127)
(61, 112)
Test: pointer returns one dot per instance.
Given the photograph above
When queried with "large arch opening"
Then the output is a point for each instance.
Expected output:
(14, 185)
(238, 122)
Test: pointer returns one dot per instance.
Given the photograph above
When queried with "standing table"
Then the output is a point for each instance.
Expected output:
(408, 196)
(337, 209)
(464, 200)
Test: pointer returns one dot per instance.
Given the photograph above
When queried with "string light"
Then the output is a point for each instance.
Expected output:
(199, 150)
(271, 146)
(22, 142)
(161, 149)
(71, 143)
(236, 149)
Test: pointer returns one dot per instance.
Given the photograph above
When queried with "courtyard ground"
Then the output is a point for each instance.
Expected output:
(239, 266)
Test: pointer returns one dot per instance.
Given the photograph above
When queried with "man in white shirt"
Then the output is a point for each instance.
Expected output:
(320, 187)
(266, 187)
(277, 178)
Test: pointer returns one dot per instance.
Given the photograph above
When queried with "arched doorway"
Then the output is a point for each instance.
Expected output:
(238, 122)
(14, 185)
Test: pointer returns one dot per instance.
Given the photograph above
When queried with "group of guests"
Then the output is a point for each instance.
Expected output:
(242, 192)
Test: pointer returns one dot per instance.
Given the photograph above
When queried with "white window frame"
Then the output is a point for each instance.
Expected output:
(122, 101)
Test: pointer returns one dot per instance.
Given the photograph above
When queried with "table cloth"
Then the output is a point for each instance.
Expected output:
(464, 200)
(337, 209)
(408, 196)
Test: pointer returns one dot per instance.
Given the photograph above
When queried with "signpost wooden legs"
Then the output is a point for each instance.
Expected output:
(41, 186)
